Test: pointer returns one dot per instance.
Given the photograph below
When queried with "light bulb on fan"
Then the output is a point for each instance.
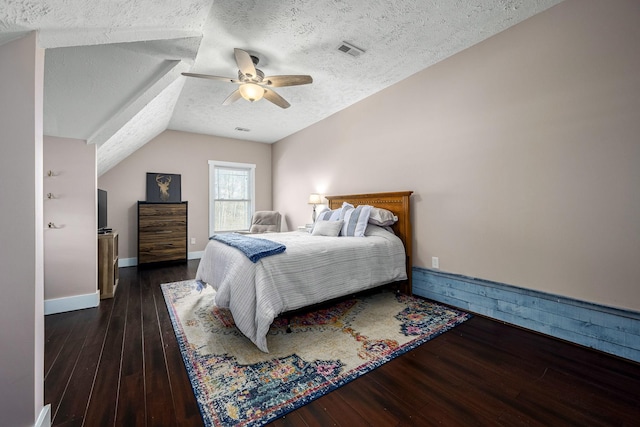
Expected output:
(251, 92)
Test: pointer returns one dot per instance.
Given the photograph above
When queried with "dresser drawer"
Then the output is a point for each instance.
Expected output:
(163, 238)
(163, 210)
(149, 225)
(154, 251)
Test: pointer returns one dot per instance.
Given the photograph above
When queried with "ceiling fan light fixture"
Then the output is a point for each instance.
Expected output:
(253, 85)
(251, 91)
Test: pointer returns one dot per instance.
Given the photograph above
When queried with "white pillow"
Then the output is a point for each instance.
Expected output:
(327, 228)
(329, 215)
(382, 217)
(377, 230)
(355, 221)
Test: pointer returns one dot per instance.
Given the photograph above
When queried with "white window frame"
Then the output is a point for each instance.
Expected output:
(213, 164)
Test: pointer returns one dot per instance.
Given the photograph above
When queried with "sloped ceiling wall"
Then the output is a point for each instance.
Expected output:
(113, 68)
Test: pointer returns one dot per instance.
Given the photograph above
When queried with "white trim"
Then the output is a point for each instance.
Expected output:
(232, 164)
(127, 262)
(75, 302)
(44, 419)
(133, 262)
(252, 187)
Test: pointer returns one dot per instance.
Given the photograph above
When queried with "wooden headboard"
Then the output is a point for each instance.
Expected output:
(396, 202)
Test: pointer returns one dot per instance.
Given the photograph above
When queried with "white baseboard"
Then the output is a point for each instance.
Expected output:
(127, 262)
(75, 302)
(44, 419)
(132, 262)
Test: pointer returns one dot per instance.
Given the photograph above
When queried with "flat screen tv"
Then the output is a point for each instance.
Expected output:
(102, 210)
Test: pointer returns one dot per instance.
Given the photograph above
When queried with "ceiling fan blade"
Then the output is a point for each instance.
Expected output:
(235, 95)
(270, 95)
(207, 76)
(245, 63)
(280, 81)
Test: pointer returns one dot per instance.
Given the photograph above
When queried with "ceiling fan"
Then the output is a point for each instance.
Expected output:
(253, 83)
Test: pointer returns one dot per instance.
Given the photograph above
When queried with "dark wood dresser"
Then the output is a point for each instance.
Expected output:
(162, 232)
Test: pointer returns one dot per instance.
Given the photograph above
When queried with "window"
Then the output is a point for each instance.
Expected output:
(231, 196)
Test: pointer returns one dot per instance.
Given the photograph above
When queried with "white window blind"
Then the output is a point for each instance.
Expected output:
(231, 196)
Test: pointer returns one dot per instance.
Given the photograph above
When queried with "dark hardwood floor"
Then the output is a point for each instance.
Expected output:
(119, 364)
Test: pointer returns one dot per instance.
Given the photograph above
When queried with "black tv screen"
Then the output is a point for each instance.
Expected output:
(102, 209)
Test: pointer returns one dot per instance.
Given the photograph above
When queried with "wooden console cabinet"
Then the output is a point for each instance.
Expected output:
(107, 264)
(162, 232)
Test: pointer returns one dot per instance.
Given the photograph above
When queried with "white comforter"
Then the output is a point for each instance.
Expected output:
(313, 269)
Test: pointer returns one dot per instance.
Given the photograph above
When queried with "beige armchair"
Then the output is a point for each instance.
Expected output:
(265, 222)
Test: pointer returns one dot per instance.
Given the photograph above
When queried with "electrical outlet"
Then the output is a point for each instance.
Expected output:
(435, 262)
(193, 240)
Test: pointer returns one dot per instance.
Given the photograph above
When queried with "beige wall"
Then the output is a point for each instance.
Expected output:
(70, 250)
(21, 263)
(523, 153)
(186, 154)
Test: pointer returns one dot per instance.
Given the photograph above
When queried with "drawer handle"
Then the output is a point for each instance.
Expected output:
(164, 232)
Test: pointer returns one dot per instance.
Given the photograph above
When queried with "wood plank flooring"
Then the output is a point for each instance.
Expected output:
(120, 365)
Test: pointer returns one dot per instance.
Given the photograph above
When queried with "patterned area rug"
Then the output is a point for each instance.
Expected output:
(237, 384)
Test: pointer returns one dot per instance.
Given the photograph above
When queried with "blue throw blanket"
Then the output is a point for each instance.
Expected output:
(253, 247)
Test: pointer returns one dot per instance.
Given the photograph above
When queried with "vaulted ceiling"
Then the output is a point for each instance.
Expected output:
(113, 68)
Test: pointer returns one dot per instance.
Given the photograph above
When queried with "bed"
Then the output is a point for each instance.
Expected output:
(312, 269)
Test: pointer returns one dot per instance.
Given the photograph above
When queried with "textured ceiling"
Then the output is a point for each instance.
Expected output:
(112, 68)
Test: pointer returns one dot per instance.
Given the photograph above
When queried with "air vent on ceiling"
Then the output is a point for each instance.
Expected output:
(239, 129)
(350, 49)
